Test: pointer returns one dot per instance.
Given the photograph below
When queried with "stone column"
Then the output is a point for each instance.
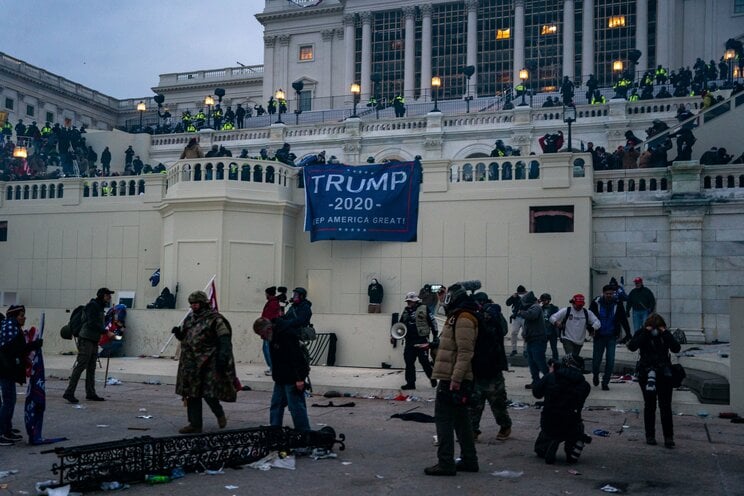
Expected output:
(518, 40)
(587, 40)
(425, 51)
(687, 210)
(641, 34)
(569, 51)
(736, 370)
(663, 22)
(349, 42)
(472, 50)
(366, 55)
(283, 63)
(324, 90)
(409, 62)
(268, 77)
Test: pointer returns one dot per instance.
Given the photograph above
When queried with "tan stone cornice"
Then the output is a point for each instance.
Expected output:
(309, 11)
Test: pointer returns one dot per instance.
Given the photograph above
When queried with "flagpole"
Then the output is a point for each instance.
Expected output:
(159, 355)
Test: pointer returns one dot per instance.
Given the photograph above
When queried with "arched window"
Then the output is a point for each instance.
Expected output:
(493, 171)
(719, 182)
(51, 191)
(480, 171)
(520, 170)
(197, 172)
(186, 172)
(95, 188)
(132, 188)
(9, 193)
(122, 188)
(706, 182)
(641, 185)
(26, 192)
(43, 191)
(730, 183)
(208, 172)
(141, 187)
(467, 172)
(663, 184)
(609, 186)
(620, 186)
(534, 170)
(114, 188)
(86, 189)
(257, 174)
(652, 184)
(270, 171)
(232, 174)
(220, 172)
(506, 171)
(245, 173)
(741, 181)
(35, 192)
(631, 184)
(600, 187)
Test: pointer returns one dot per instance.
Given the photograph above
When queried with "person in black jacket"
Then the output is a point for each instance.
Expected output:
(655, 342)
(289, 364)
(13, 350)
(375, 291)
(565, 390)
(87, 344)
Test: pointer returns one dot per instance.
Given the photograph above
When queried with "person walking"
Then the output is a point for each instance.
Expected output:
(454, 371)
(642, 302)
(573, 323)
(272, 310)
(655, 341)
(548, 310)
(206, 368)
(419, 325)
(87, 344)
(517, 322)
(613, 321)
(290, 365)
(535, 338)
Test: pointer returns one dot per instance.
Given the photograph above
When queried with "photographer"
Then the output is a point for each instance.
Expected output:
(565, 390)
(517, 322)
(655, 376)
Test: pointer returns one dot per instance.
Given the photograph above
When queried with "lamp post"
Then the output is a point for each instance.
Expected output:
(141, 108)
(279, 96)
(617, 69)
(569, 117)
(468, 71)
(209, 102)
(356, 91)
(436, 83)
(298, 86)
(729, 56)
(524, 75)
(20, 152)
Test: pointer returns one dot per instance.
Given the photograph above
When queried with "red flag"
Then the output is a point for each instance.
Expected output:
(212, 295)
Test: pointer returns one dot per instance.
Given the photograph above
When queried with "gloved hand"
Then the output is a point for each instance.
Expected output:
(177, 332)
(35, 345)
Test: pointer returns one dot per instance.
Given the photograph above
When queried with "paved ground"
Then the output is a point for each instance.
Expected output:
(387, 456)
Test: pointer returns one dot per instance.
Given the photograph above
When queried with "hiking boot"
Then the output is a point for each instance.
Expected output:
(438, 470)
(408, 386)
(551, 452)
(595, 380)
(605, 387)
(6, 441)
(503, 434)
(95, 398)
(189, 429)
(13, 436)
(267, 372)
(71, 398)
(222, 421)
(463, 466)
(433, 382)
(651, 441)
(669, 442)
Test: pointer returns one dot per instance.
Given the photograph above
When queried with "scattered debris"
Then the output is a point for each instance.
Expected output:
(507, 474)
(574, 472)
(609, 489)
(415, 417)
(7, 473)
(152, 381)
(144, 416)
(601, 433)
(102, 426)
(330, 404)
(113, 381)
(231, 487)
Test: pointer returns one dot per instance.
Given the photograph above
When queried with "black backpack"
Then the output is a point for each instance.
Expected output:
(488, 356)
(75, 325)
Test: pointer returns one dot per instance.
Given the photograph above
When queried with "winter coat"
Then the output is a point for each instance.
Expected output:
(94, 321)
(654, 350)
(534, 325)
(565, 390)
(456, 347)
(272, 310)
(641, 299)
(192, 152)
(375, 293)
(289, 364)
(619, 318)
(13, 352)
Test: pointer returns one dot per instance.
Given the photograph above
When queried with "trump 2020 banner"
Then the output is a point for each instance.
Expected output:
(376, 202)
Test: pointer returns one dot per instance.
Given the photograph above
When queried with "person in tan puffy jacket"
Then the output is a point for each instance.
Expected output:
(453, 369)
(192, 150)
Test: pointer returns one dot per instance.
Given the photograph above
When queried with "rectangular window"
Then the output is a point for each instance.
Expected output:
(30, 110)
(50, 117)
(306, 53)
(738, 6)
(3, 230)
(554, 219)
(9, 103)
(549, 29)
(616, 21)
(306, 100)
(503, 34)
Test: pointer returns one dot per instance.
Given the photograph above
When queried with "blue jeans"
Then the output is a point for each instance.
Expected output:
(8, 391)
(535, 351)
(602, 344)
(288, 395)
(267, 352)
(639, 317)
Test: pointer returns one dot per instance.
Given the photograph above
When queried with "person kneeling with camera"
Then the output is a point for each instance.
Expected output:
(565, 390)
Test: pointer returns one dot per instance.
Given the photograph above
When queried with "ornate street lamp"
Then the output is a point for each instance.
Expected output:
(356, 91)
(569, 117)
(436, 83)
(20, 152)
(280, 97)
(141, 108)
(298, 86)
(524, 75)
(729, 56)
(209, 102)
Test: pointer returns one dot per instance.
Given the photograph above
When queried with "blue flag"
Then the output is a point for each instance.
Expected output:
(376, 202)
(155, 278)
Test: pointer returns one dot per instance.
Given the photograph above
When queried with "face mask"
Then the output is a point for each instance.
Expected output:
(655, 332)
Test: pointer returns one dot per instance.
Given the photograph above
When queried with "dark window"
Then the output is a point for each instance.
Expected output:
(9, 103)
(738, 6)
(30, 110)
(50, 116)
(552, 219)
(3, 230)
(306, 100)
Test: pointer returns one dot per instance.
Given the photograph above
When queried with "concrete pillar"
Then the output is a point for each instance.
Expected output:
(472, 50)
(366, 55)
(409, 61)
(349, 42)
(425, 51)
(663, 11)
(587, 40)
(641, 34)
(268, 77)
(518, 40)
(736, 367)
(324, 90)
(281, 75)
(569, 52)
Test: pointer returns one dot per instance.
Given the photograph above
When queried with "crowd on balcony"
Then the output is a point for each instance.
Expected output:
(54, 151)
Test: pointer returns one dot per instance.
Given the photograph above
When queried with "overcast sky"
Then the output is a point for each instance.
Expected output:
(120, 47)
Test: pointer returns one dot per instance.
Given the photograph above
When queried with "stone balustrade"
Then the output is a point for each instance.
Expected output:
(513, 168)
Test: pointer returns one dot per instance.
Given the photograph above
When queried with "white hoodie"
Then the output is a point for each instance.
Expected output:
(575, 330)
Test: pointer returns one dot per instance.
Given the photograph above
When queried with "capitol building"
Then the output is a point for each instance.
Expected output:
(548, 221)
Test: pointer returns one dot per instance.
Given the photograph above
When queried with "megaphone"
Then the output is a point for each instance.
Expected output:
(398, 331)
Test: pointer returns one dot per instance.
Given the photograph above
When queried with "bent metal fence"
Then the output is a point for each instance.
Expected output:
(86, 467)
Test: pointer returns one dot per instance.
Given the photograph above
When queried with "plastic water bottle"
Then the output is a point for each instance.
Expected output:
(111, 486)
(157, 479)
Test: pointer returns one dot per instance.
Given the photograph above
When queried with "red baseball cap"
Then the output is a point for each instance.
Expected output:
(638, 279)
(578, 300)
